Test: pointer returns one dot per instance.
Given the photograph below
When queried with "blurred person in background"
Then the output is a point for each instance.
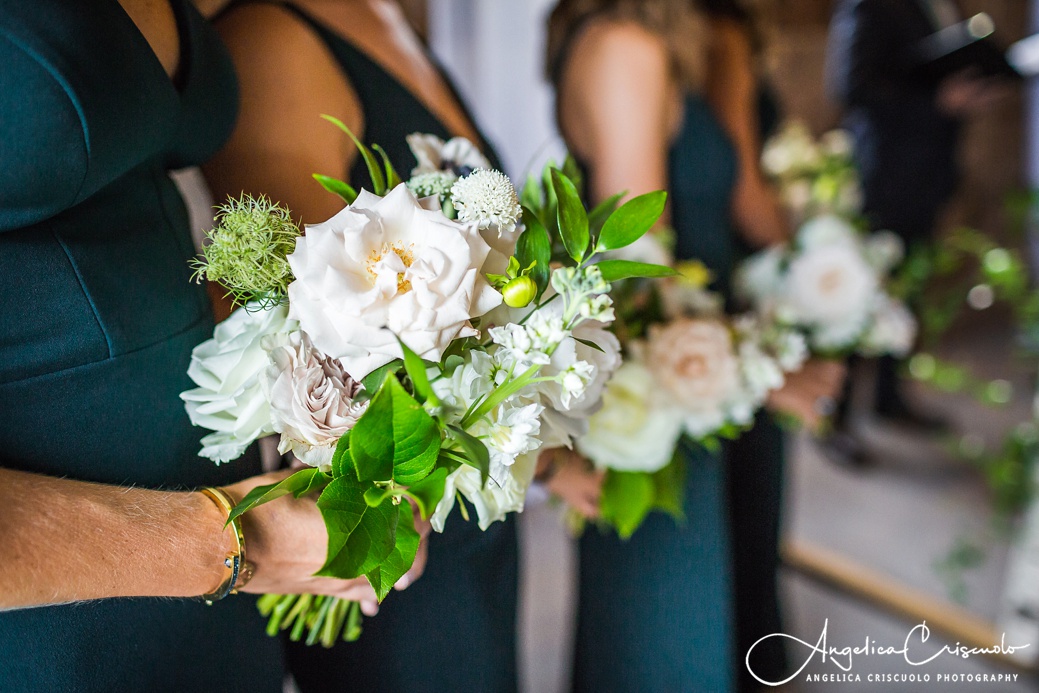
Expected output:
(636, 107)
(906, 129)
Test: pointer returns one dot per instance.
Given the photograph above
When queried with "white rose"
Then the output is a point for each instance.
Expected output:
(229, 398)
(458, 155)
(386, 267)
(633, 431)
(695, 363)
(824, 230)
(892, 331)
(828, 286)
(312, 399)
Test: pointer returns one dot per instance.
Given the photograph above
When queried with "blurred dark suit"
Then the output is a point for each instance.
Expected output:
(905, 146)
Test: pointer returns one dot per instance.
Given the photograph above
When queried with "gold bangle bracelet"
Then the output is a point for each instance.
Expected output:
(234, 562)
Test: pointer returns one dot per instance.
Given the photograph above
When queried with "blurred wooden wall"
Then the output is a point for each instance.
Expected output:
(993, 145)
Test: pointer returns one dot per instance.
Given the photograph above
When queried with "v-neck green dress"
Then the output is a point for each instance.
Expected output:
(98, 317)
(455, 628)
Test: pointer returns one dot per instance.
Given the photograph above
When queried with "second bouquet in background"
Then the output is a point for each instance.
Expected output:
(419, 347)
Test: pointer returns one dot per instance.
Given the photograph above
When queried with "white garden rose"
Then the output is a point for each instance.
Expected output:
(825, 230)
(312, 399)
(458, 155)
(383, 268)
(229, 398)
(828, 285)
(695, 363)
(634, 430)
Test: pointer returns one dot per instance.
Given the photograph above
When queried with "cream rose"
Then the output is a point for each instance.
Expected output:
(386, 267)
(695, 363)
(229, 398)
(312, 399)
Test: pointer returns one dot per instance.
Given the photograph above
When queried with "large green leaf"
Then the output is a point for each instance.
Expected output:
(395, 438)
(416, 370)
(337, 187)
(476, 453)
(615, 270)
(299, 483)
(572, 218)
(401, 558)
(629, 223)
(373, 381)
(598, 216)
(360, 536)
(669, 488)
(428, 492)
(535, 247)
(626, 499)
(341, 460)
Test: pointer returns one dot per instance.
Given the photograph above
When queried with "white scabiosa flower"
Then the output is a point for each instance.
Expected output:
(229, 399)
(488, 198)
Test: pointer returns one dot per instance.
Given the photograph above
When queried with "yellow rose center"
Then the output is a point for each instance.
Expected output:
(406, 255)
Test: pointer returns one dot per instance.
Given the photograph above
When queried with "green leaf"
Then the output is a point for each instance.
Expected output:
(615, 270)
(597, 217)
(392, 177)
(629, 223)
(428, 492)
(669, 488)
(378, 182)
(476, 453)
(535, 246)
(377, 494)
(573, 220)
(626, 499)
(373, 381)
(337, 187)
(548, 208)
(590, 344)
(400, 560)
(341, 460)
(395, 438)
(416, 370)
(572, 171)
(530, 197)
(299, 483)
(360, 536)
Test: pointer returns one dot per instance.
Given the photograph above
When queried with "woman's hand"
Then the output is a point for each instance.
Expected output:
(286, 541)
(572, 478)
(810, 394)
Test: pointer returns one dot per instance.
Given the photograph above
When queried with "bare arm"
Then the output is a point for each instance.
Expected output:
(618, 106)
(287, 79)
(732, 91)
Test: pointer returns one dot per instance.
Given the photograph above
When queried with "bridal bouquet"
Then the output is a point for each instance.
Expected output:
(421, 345)
(813, 177)
(830, 282)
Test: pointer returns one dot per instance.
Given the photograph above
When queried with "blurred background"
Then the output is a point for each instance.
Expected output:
(915, 535)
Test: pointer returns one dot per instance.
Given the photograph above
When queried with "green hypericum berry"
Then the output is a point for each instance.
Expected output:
(519, 292)
(246, 252)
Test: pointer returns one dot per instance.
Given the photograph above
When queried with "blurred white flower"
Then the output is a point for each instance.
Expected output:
(892, 331)
(229, 398)
(487, 198)
(837, 143)
(458, 155)
(383, 268)
(761, 373)
(312, 398)
(634, 430)
(884, 251)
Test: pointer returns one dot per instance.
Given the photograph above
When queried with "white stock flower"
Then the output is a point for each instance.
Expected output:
(312, 399)
(386, 267)
(695, 364)
(229, 398)
(458, 155)
(513, 432)
(761, 373)
(488, 198)
(632, 431)
(505, 491)
(892, 331)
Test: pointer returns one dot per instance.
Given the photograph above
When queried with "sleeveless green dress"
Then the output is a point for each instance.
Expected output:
(655, 611)
(469, 590)
(98, 320)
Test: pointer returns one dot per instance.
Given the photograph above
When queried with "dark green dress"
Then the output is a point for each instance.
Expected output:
(98, 320)
(654, 611)
(454, 629)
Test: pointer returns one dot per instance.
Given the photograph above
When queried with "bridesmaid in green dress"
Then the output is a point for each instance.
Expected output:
(98, 100)
(360, 61)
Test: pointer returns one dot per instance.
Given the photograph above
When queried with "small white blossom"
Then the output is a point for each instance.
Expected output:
(488, 198)
(433, 184)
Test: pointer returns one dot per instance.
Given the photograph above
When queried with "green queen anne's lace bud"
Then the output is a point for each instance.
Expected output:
(246, 252)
